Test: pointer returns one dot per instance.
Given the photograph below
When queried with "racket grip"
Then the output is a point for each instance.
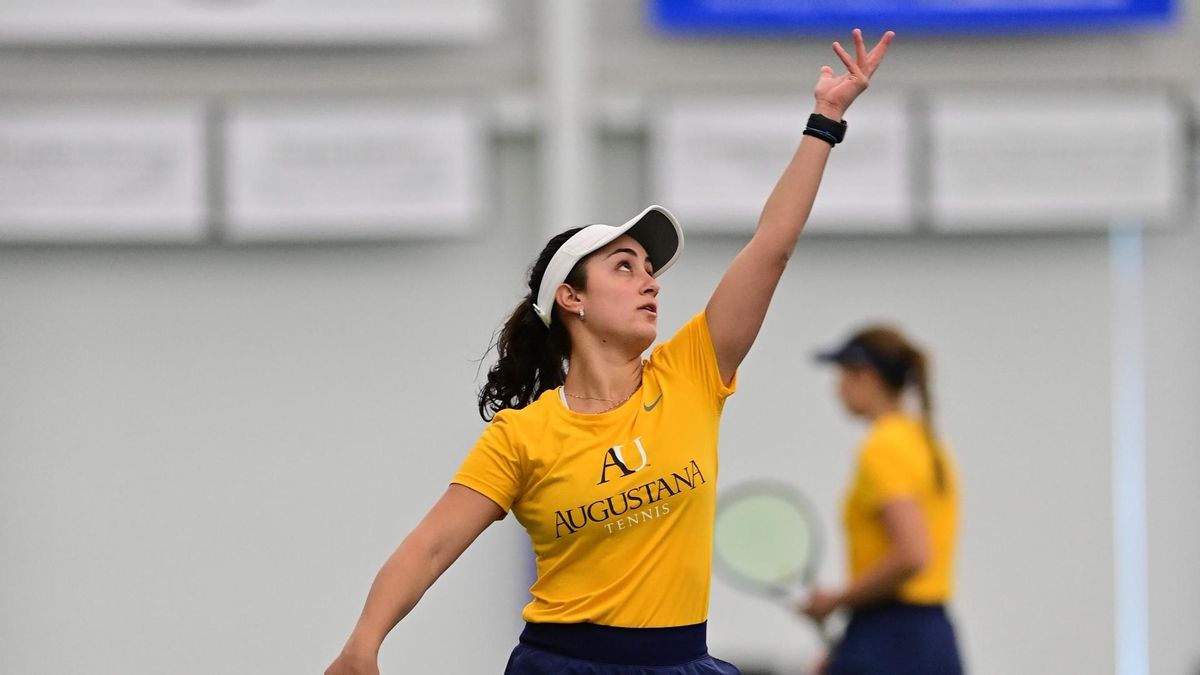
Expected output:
(798, 598)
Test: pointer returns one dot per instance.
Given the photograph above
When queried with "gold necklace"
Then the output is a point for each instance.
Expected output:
(615, 403)
(591, 398)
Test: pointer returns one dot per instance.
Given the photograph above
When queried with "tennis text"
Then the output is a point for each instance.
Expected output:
(640, 503)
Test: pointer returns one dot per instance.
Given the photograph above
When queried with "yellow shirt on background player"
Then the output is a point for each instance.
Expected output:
(619, 505)
(895, 463)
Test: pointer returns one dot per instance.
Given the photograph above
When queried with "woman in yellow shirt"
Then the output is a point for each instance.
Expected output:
(900, 515)
(607, 459)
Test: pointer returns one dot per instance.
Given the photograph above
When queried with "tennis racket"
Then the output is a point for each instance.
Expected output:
(767, 541)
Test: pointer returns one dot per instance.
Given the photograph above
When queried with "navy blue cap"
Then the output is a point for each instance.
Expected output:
(855, 354)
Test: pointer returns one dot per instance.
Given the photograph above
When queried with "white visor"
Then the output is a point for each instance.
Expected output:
(655, 229)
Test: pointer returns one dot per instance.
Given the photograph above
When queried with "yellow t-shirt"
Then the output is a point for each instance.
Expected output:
(895, 463)
(618, 505)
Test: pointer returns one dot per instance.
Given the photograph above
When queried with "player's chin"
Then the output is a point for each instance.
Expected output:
(644, 333)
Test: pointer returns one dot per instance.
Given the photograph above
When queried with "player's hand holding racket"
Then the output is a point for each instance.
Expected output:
(820, 604)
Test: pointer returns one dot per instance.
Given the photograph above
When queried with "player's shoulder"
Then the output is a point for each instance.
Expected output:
(534, 413)
(693, 331)
(895, 435)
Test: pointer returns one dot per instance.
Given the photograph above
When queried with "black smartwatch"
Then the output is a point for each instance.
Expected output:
(820, 126)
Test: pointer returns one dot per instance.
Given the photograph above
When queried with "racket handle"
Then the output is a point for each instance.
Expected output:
(797, 598)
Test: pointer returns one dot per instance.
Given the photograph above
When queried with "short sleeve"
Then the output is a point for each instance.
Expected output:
(493, 468)
(690, 354)
(888, 473)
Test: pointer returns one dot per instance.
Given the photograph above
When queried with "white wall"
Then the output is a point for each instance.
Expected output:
(206, 452)
(1173, 388)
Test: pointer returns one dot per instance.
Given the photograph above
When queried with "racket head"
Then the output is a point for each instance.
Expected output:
(766, 538)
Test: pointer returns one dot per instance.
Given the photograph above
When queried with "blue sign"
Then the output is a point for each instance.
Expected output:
(790, 17)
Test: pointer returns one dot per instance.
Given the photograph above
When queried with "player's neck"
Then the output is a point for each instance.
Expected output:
(883, 408)
(602, 379)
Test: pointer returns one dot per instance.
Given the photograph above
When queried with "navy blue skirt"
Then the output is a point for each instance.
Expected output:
(591, 649)
(898, 639)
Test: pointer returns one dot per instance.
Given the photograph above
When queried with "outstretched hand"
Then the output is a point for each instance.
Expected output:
(835, 94)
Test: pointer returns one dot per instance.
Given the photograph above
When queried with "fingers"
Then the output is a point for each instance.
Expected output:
(845, 57)
(863, 64)
(860, 49)
(878, 52)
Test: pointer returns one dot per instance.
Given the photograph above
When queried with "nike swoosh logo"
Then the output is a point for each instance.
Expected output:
(654, 405)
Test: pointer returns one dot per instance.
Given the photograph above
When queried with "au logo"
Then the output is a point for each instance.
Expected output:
(613, 459)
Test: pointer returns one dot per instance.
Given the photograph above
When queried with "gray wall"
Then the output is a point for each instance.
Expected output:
(206, 452)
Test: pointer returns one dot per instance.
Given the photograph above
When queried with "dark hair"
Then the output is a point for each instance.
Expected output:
(899, 364)
(532, 357)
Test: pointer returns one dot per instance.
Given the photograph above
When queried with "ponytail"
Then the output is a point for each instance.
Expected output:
(532, 358)
(918, 374)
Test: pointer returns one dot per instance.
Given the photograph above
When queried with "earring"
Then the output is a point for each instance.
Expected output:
(581, 314)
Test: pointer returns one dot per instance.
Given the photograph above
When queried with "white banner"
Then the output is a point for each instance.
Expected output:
(1056, 161)
(72, 171)
(246, 21)
(715, 161)
(352, 170)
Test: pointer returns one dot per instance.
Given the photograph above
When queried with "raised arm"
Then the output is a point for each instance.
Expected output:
(739, 304)
(445, 532)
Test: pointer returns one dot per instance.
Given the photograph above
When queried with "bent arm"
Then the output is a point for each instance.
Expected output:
(455, 521)
(908, 554)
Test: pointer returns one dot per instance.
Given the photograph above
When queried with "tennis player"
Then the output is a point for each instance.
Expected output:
(609, 461)
(900, 515)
